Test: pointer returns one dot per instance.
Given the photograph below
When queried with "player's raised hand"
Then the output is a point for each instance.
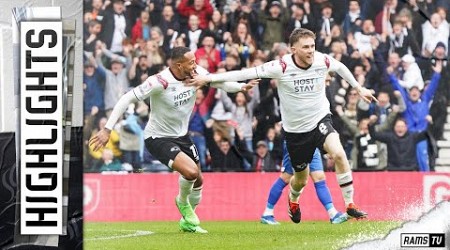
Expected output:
(366, 95)
(100, 139)
(248, 86)
(198, 81)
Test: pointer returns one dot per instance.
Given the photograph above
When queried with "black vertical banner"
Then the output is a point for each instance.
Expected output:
(8, 187)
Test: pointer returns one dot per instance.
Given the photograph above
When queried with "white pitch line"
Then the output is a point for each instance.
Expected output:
(136, 233)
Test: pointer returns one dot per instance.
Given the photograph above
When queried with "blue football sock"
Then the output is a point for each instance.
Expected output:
(274, 195)
(276, 191)
(323, 193)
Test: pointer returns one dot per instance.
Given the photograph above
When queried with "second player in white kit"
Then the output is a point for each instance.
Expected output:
(165, 134)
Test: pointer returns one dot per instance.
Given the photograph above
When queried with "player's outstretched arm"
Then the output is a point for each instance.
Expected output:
(345, 73)
(366, 94)
(137, 94)
(100, 139)
(248, 86)
(272, 69)
(233, 87)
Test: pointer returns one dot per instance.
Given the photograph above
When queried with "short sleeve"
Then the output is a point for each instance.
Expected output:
(152, 84)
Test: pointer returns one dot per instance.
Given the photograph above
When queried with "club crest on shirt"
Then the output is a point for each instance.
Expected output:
(320, 72)
(144, 88)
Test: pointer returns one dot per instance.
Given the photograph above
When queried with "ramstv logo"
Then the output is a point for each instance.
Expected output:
(436, 188)
(91, 195)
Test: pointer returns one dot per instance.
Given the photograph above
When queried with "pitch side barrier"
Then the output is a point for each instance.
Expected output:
(242, 196)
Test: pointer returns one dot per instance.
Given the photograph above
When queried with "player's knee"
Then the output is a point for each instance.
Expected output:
(339, 156)
(286, 177)
(199, 181)
(317, 176)
(191, 174)
(300, 181)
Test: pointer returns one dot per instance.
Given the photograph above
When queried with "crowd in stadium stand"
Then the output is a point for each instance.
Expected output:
(399, 49)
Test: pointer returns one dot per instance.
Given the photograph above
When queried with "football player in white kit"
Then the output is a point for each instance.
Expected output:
(165, 134)
(305, 111)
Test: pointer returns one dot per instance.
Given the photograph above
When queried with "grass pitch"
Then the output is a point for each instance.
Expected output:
(232, 235)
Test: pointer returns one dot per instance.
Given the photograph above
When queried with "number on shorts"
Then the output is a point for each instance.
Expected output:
(323, 128)
(194, 151)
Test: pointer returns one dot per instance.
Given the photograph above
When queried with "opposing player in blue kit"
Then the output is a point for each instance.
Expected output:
(318, 177)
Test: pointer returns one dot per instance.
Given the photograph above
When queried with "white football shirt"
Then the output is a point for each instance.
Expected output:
(171, 104)
(303, 102)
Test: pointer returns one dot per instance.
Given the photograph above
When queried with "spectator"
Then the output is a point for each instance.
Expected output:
(155, 8)
(267, 113)
(134, 9)
(412, 76)
(200, 8)
(232, 62)
(97, 9)
(131, 140)
(139, 71)
(115, 26)
(348, 101)
(242, 110)
(113, 145)
(381, 109)
(362, 41)
(411, 20)
(209, 52)
(326, 21)
(417, 112)
(434, 31)
(438, 109)
(242, 44)
(262, 160)
(367, 153)
(155, 56)
(385, 18)
(243, 13)
(157, 38)
(170, 28)
(226, 157)
(192, 35)
(142, 28)
(402, 42)
(216, 27)
(93, 85)
(352, 21)
(336, 34)
(197, 123)
(116, 83)
(274, 23)
(274, 145)
(401, 146)
(301, 18)
(94, 28)
(109, 163)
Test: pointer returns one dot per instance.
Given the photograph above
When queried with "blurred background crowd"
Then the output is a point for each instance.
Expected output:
(397, 48)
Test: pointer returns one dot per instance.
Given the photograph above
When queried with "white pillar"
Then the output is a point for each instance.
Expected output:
(7, 120)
